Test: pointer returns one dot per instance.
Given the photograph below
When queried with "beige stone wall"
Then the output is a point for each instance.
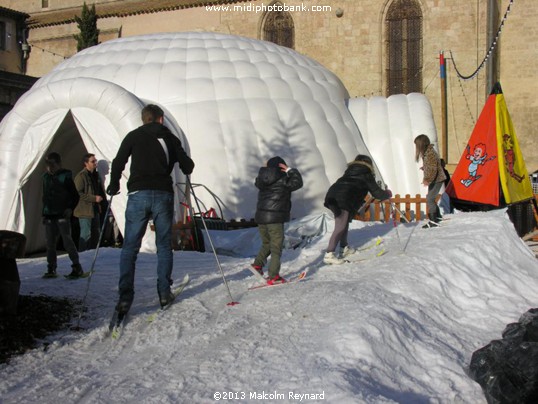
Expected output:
(352, 47)
(519, 51)
(191, 19)
(26, 6)
(50, 46)
(35, 6)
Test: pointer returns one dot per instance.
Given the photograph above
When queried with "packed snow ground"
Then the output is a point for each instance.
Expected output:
(400, 328)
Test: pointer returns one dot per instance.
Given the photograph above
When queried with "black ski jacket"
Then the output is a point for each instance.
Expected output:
(349, 191)
(274, 196)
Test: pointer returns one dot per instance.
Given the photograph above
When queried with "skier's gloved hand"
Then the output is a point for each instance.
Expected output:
(113, 190)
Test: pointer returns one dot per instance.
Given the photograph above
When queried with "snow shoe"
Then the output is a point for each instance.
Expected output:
(431, 224)
(166, 299)
(76, 272)
(331, 259)
(347, 251)
(51, 272)
(276, 280)
(123, 307)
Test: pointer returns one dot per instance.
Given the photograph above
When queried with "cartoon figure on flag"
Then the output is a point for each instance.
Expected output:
(478, 158)
(510, 157)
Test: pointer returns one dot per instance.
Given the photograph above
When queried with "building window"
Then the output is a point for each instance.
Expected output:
(277, 27)
(2, 35)
(403, 35)
(44, 3)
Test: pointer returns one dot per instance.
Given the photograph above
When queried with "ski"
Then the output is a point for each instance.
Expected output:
(73, 278)
(363, 257)
(116, 325)
(298, 278)
(431, 225)
(256, 274)
(176, 292)
(354, 258)
(377, 243)
(372, 250)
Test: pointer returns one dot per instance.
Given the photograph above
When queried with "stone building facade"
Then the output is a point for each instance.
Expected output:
(352, 38)
(13, 56)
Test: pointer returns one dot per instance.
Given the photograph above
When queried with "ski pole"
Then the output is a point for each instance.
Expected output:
(394, 207)
(409, 237)
(232, 302)
(393, 214)
(365, 205)
(399, 211)
(92, 270)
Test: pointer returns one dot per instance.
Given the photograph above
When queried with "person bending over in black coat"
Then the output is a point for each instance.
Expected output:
(275, 182)
(344, 198)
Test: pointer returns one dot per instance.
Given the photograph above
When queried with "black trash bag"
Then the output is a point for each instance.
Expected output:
(12, 246)
(507, 369)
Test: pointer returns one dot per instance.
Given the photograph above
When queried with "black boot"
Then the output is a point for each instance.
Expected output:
(76, 272)
(123, 307)
(437, 215)
(432, 222)
(51, 272)
(166, 298)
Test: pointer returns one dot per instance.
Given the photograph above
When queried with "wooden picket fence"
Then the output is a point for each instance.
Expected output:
(412, 207)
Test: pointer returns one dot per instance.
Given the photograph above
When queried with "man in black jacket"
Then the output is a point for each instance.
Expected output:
(153, 150)
(275, 182)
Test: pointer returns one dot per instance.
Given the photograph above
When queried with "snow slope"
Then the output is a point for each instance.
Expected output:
(400, 328)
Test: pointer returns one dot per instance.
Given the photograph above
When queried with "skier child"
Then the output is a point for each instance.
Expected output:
(275, 182)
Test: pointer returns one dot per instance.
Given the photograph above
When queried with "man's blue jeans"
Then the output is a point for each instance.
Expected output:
(141, 207)
(89, 233)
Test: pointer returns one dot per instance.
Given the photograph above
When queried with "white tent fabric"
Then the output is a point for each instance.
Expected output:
(29, 129)
(388, 127)
(234, 102)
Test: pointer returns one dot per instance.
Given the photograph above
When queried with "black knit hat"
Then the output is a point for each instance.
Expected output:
(53, 158)
(275, 161)
(364, 158)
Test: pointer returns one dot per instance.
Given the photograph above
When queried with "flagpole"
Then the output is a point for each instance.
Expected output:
(444, 113)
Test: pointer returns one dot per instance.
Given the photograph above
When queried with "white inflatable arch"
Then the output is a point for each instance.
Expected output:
(46, 119)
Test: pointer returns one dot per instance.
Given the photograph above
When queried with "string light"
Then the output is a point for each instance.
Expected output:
(489, 52)
(52, 53)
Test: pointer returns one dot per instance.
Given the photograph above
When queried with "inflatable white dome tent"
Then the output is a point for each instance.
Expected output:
(234, 102)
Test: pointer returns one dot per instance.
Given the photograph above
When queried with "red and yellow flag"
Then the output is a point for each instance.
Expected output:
(492, 159)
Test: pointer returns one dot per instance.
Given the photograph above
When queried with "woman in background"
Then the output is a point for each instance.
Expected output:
(434, 177)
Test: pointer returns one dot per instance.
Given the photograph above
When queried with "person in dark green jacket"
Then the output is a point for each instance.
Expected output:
(59, 199)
